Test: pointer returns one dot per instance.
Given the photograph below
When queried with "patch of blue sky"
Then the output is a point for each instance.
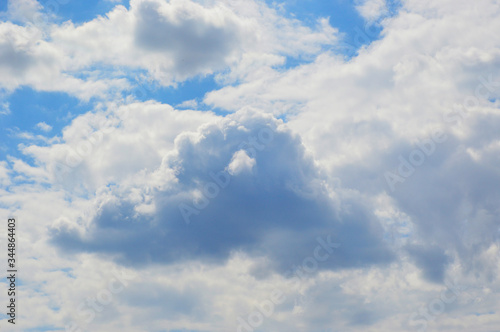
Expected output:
(354, 30)
(69, 272)
(393, 6)
(19, 282)
(29, 108)
(191, 89)
(292, 62)
(342, 14)
(77, 11)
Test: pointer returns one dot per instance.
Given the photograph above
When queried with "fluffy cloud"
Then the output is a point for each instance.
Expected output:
(240, 162)
(24, 11)
(27, 59)
(371, 10)
(217, 211)
(361, 118)
(170, 41)
(281, 200)
(113, 144)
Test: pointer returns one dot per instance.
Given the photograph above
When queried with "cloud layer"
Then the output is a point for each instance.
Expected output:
(202, 211)
(362, 187)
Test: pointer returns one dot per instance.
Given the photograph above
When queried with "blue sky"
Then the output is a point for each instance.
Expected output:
(80, 12)
(251, 165)
(30, 107)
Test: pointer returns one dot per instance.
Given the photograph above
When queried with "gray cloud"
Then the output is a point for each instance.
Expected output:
(194, 42)
(14, 60)
(278, 210)
(450, 197)
(432, 260)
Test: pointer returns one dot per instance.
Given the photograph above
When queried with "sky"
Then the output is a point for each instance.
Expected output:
(251, 165)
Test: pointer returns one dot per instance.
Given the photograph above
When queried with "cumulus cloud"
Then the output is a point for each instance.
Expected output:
(194, 38)
(96, 149)
(176, 40)
(355, 118)
(170, 41)
(241, 162)
(392, 153)
(27, 59)
(259, 219)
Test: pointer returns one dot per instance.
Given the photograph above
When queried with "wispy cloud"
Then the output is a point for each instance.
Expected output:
(4, 108)
(44, 127)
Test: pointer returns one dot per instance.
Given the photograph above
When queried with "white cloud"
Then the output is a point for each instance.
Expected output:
(358, 117)
(27, 59)
(25, 11)
(190, 104)
(180, 39)
(113, 145)
(171, 41)
(240, 163)
(44, 127)
(371, 10)
(118, 173)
